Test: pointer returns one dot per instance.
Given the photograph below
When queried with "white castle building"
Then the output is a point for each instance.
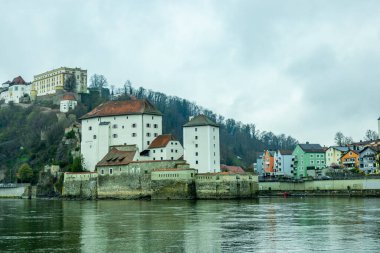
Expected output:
(201, 144)
(132, 122)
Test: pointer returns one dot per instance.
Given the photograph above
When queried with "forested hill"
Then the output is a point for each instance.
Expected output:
(239, 142)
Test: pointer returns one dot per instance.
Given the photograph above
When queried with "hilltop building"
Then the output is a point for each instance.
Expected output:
(201, 144)
(308, 157)
(132, 122)
(68, 102)
(54, 80)
(14, 91)
(283, 160)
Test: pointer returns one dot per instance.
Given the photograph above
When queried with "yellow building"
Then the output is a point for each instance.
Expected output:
(53, 80)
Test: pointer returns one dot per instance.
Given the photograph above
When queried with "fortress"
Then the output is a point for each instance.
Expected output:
(128, 157)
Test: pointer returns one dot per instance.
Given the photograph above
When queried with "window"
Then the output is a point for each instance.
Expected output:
(196, 153)
(155, 134)
(154, 151)
(114, 135)
(172, 150)
(196, 137)
(148, 142)
(172, 158)
(176, 151)
(196, 162)
(90, 128)
(311, 162)
(162, 150)
(114, 126)
(122, 127)
(147, 125)
(311, 156)
(155, 126)
(134, 134)
(94, 137)
(162, 158)
(102, 172)
(134, 125)
(148, 134)
(317, 156)
(196, 129)
(111, 171)
(154, 158)
(196, 145)
(318, 161)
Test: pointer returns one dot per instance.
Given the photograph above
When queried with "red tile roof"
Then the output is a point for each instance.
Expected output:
(161, 141)
(68, 96)
(128, 107)
(117, 157)
(233, 169)
(18, 80)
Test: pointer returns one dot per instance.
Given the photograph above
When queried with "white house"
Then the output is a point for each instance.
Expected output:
(13, 91)
(132, 122)
(283, 163)
(165, 147)
(68, 102)
(201, 144)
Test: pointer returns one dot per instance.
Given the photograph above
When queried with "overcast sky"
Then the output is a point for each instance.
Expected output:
(304, 68)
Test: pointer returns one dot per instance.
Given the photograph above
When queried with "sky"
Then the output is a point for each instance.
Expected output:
(304, 68)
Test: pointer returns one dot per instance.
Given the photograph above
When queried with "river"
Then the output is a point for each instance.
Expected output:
(263, 225)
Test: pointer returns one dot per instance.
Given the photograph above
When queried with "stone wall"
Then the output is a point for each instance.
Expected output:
(335, 187)
(132, 181)
(173, 189)
(20, 191)
(124, 186)
(80, 185)
(225, 186)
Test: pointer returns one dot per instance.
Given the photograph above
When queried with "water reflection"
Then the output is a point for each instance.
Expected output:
(265, 225)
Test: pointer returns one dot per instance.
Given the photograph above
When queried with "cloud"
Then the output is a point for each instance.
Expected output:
(305, 68)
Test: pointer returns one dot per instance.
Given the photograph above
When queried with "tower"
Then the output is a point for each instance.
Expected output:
(201, 144)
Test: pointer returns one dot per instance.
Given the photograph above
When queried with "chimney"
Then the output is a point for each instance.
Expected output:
(307, 142)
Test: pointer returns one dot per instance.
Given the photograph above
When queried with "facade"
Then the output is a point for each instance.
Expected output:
(283, 160)
(132, 122)
(268, 163)
(308, 157)
(350, 159)
(258, 166)
(51, 81)
(165, 147)
(367, 160)
(378, 125)
(201, 144)
(15, 90)
(333, 155)
(68, 102)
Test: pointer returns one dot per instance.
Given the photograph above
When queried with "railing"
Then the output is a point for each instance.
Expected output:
(10, 185)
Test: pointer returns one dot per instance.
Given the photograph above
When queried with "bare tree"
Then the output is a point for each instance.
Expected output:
(370, 135)
(339, 139)
(98, 81)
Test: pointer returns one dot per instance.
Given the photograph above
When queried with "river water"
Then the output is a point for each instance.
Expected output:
(264, 225)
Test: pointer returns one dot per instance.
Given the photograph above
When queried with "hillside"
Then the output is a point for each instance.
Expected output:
(33, 134)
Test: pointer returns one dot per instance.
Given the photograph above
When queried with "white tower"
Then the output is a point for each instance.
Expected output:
(201, 144)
